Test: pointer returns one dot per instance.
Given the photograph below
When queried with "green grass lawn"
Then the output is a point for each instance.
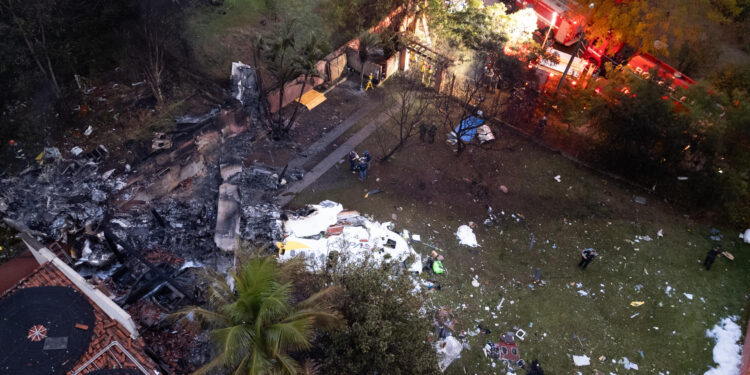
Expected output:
(222, 34)
(556, 221)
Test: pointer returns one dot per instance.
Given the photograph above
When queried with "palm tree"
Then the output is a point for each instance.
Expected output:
(311, 53)
(367, 42)
(281, 64)
(255, 325)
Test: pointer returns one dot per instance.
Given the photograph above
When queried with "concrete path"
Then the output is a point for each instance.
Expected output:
(332, 158)
(331, 136)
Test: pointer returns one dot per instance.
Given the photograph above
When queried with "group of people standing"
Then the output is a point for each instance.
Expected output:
(430, 132)
(359, 163)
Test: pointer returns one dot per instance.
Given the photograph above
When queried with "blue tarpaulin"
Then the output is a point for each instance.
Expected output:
(468, 128)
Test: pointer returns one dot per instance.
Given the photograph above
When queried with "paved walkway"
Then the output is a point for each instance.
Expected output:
(334, 156)
(331, 136)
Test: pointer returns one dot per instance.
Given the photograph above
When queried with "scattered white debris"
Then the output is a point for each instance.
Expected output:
(557, 178)
(191, 264)
(466, 236)
(668, 290)
(746, 236)
(475, 282)
(447, 351)
(688, 296)
(634, 315)
(581, 360)
(367, 241)
(88, 131)
(108, 174)
(660, 233)
(727, 350)
(120, 222)
(500, 305)
(416, 237)
(76, 151)
(583, 293)
(324, 216)
(628, 365)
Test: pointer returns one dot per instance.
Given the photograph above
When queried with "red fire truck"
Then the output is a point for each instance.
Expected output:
(565, 23)
(558, 15)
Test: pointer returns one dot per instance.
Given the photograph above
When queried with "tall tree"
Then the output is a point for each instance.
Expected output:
(281, 62)
(257, 325)
(409, 105)
(312, 52)
(367, 43)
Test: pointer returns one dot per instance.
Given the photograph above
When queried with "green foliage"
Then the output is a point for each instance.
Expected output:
(649, 135)
(732, 77)
(475, 26)
(347, 15)
(671, 22)
(258, 325)
(385, 333)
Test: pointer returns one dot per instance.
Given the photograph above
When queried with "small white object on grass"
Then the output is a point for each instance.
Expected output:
(581, 360)
(557, 178)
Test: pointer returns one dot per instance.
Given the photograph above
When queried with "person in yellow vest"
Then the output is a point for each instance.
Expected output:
(428, 79)
(369, 84)
(422, 69)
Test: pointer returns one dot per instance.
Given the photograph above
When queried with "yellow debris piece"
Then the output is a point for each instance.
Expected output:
(312, 99)
(636, 303)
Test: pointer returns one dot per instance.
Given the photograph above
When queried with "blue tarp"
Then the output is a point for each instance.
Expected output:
(468, 128)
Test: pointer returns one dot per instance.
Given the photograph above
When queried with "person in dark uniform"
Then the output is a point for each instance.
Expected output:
(587, 255)
(422, 131)
(711, 257)
(353, 160)
(535, 368)
(431, 133)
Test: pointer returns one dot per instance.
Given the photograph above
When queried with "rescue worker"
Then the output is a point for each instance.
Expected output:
(711, 257)
(541, 125)
(587, 255)
(353, 160)
(369, 84)
(428, 79)
(431, 133)
(362, 168)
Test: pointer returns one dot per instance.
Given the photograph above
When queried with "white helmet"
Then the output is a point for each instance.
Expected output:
(479, 113)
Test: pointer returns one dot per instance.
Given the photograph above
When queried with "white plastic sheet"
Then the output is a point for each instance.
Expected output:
(447, 351)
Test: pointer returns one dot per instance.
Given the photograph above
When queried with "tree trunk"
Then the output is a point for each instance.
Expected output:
(296, 108)
(393, 151)
(362, 75)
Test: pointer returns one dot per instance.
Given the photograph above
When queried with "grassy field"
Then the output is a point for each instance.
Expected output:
(544, 226)
(222, 34)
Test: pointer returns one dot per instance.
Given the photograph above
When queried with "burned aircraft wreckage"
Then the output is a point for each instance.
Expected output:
(145, 230)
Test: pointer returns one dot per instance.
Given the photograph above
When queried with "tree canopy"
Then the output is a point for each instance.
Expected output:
(657, 26)
(257, 325)
(385, 332)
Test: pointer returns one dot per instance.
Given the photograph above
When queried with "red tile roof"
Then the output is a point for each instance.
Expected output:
(105, 329)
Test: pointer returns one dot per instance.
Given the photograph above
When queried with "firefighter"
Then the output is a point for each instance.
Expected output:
(711, 257)
(422, 69)
(587, 255)
(428, 78)
(369, 84)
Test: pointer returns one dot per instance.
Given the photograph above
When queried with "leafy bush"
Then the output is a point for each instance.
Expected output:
(385, 333)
